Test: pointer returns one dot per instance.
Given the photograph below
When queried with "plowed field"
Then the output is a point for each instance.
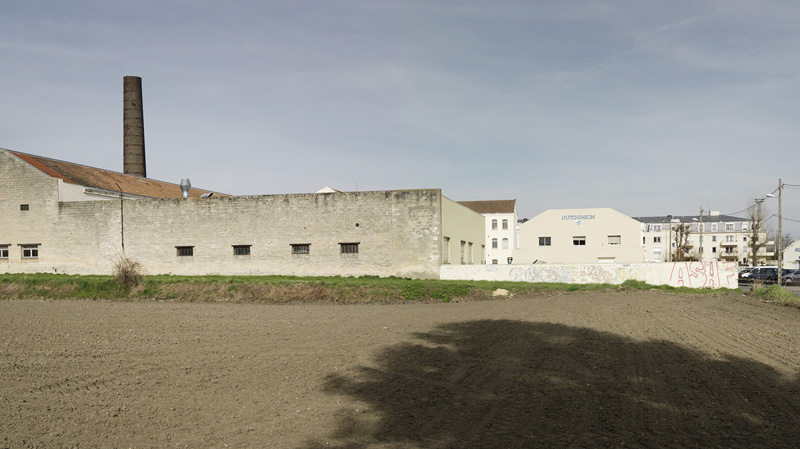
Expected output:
(619, 369)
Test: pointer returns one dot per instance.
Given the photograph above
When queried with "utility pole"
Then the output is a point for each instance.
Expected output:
(780, 233)
(669, 242)
(701, 235)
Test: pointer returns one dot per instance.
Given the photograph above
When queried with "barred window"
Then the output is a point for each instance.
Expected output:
(30, 251)
(241, 250)
(24, 207)
(301, 248)
(184, 251)
(348, 248)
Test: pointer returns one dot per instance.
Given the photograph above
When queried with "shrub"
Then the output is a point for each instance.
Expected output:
(128, 272)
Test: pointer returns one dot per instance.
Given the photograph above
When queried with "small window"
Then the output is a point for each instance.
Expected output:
(729, 238)
(241, 250)
(505, 224)
(301, 248)
(744, 226)
(30, 251)
(713, 249)
(494, 261)
(614, 240)
(713, 238)
(579, 241)
(744, 239)
(657, 228)
(24, 207)
(445, 249)
(3, 251)
(494, 225)
(469, 253)
(544, 241)
(656, 239)
(714, 227)
(463, 252)
(348, 248)
(184, 251)
(494, 243)
(729, 226)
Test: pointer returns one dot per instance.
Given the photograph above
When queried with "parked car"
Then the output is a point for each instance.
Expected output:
(744, 274)
(793, 277)
(763, 274)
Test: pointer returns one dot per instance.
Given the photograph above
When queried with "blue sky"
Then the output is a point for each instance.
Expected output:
(647, 107)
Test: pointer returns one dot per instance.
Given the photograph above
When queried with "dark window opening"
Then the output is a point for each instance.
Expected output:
(301, 248)
(241, 250)
(184, 251)
(349, 248)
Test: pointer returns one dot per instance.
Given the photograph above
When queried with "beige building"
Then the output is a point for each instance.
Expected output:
(580, 236)
(61, 217)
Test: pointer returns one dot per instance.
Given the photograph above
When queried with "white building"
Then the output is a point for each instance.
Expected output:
(580, 236)
(501, 228)
(719, 237)
(791, 255)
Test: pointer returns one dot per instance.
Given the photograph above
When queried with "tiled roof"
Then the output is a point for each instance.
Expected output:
(491, 207)
(105, 179)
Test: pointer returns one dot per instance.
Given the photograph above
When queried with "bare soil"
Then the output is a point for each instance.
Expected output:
(610, 369)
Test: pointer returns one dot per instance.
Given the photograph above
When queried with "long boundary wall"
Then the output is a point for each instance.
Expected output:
(677, 274)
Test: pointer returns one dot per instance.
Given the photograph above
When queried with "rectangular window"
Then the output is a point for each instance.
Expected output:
(579, 241)
(544, 241)
(494, 225)
(657, 228)
(505, 243)
(494, 243)
(241, 250)
(714, 227)
(657, 239)
(505, 224)
(184, 251)
(729, 226)
(713, 249)
(348, 248)
(445, 249)
(614, 239)
(30, 251)
(301, 248)
(3, 251)
(463, 252)
(469, 253)
(744, 226)
(24, 207)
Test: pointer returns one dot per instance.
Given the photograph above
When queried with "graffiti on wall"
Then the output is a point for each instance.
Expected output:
(678, 274)
(704, 274)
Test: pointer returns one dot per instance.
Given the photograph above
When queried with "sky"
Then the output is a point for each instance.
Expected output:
(647, 107)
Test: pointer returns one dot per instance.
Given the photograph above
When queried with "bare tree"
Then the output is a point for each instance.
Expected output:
(681, 233)
(756, 218)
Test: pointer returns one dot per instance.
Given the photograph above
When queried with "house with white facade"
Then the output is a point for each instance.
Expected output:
(501, 228)
(711, 237)
(791, 256)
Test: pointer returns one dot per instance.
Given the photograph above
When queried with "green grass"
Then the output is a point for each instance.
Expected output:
(775, 293)
(365, 289)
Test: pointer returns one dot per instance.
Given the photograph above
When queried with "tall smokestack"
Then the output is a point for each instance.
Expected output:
(133, 128)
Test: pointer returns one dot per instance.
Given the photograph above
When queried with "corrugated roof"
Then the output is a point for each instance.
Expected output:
(105, 179)
(491, 206)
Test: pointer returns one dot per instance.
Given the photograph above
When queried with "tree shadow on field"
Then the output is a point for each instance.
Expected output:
(514, 384)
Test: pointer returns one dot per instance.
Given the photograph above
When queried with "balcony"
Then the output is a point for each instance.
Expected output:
(732, 255)
(728, 243)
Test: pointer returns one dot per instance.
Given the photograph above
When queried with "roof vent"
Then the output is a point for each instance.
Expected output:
(185, 186)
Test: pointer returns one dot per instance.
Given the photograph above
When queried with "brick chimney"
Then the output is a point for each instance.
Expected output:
(133, 161)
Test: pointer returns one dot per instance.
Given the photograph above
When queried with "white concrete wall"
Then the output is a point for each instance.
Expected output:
(677, 274)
